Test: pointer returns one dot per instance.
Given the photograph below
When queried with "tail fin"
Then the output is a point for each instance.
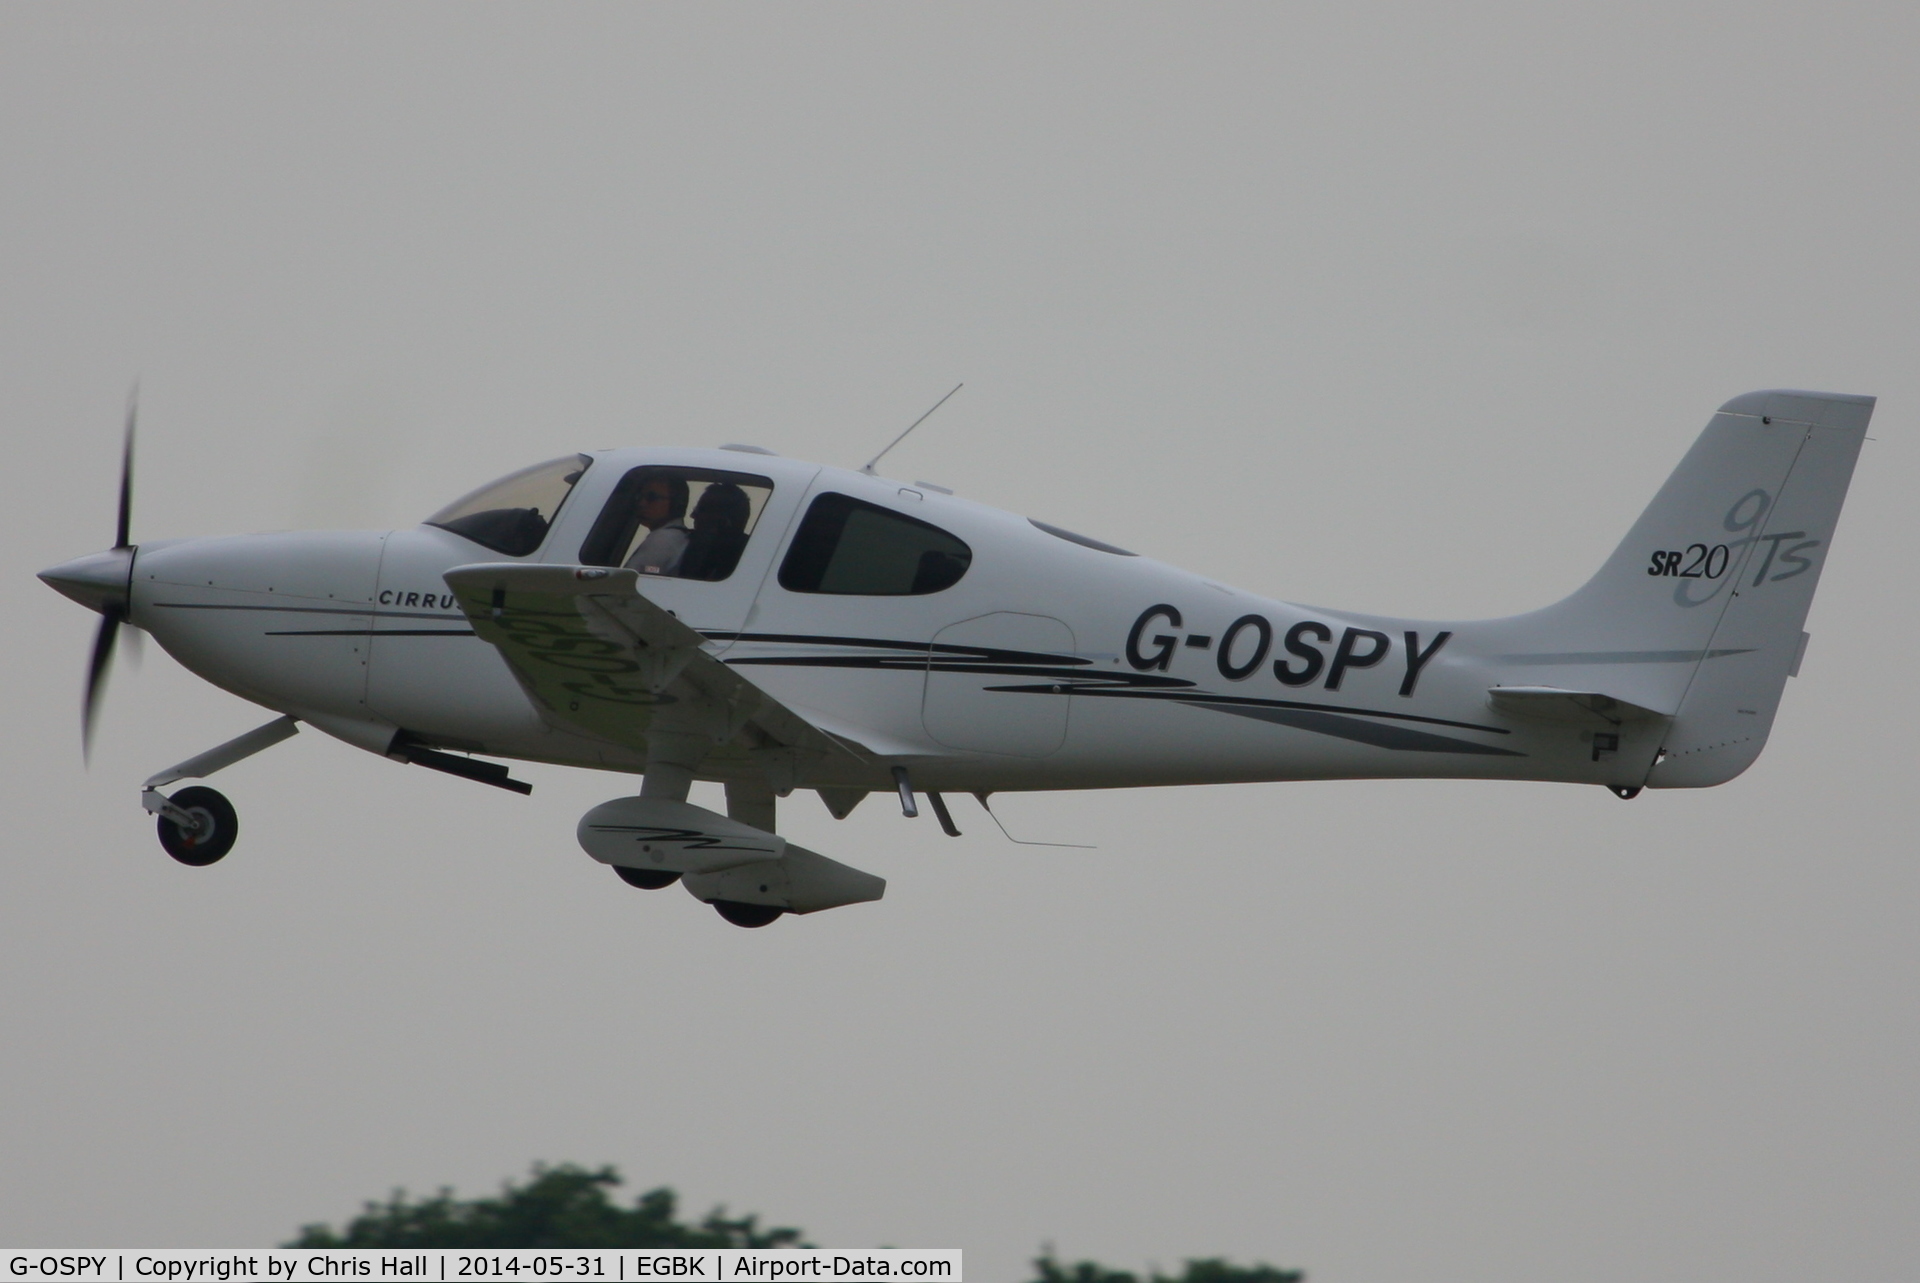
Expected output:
(1698, 614)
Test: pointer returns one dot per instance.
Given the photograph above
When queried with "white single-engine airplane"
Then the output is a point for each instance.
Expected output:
(733, 616)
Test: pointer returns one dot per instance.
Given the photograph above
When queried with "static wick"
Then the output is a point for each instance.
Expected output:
(910, 427)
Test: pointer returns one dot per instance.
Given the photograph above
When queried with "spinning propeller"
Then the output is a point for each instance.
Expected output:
(113, 612)
(103, 581)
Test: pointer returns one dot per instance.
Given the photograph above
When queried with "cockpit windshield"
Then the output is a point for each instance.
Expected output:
(512, 515)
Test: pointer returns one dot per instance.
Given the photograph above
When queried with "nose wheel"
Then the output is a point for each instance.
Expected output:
(198, 826)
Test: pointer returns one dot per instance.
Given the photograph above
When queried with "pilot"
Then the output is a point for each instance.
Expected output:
(719, 532)
(663, 505)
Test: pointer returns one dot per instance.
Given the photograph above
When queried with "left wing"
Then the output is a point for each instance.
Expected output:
(598, 657)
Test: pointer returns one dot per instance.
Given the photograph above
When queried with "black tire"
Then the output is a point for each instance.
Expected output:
(747, 915)
(219, 826)
(646, 879)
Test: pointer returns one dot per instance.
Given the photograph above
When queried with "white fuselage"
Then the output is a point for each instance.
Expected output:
(1049, 665)
(731, 616)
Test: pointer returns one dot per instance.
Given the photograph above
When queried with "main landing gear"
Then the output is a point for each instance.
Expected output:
(737, 912)
(646, 879)
(746, 915)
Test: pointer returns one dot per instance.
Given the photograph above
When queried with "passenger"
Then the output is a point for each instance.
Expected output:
(663, 504)
(719, 532)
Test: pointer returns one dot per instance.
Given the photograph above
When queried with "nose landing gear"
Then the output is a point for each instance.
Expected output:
(197, 825)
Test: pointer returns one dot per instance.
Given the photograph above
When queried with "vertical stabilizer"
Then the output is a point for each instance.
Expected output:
(1698, 614)
(1728, 708)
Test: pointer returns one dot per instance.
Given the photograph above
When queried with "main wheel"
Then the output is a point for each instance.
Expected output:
(646, 879)
(215, 827)
(747, 915)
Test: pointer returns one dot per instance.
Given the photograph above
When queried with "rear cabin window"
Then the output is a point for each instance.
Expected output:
(513, 514)
(678, 523)
(859, 549)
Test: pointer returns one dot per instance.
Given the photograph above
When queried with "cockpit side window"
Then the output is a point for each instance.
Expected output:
(681, 523)
(513, 514)
(854, 548)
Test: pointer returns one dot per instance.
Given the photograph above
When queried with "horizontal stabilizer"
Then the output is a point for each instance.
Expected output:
(1554, 704)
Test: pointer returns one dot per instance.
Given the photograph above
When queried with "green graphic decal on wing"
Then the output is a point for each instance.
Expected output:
(598, 657)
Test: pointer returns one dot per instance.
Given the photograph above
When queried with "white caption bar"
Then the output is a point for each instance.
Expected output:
(303, 1265)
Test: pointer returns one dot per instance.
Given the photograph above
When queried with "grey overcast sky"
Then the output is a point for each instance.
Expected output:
(1398, 307)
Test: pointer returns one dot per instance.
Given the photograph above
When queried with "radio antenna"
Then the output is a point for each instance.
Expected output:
(910, 427)
(981, 798)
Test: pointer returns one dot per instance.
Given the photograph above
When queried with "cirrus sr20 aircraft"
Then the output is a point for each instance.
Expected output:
(730, 615)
